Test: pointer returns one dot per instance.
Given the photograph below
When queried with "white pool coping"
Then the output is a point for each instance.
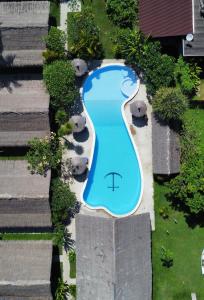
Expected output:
(94, 140)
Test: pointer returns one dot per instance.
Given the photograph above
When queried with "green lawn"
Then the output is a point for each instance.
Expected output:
(107, 28)
(26, 236)
(186, 243)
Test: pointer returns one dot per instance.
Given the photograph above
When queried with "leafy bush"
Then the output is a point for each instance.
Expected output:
(63, 200)
(188, 187)
(187, 77)
(61, 116)
(65, 129)
(59, 77)
(122, 13)
(164, 212)
(83, 35)
(157, 69)
(169, 104)
(62, 290)
(72, 290)
(55, 40)
(44, 154)
(166, 257)
(50, 56)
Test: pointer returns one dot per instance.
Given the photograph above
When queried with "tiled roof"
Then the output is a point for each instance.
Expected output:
(161, 18)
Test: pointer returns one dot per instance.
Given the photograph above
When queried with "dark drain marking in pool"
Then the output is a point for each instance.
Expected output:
(113, 174)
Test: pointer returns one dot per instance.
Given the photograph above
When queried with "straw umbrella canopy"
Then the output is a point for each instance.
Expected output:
(78, 165)
(138, 108)
(80, 67)
(78, 123)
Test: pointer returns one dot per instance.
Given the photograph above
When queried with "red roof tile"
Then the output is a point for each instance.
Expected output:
(160, 18)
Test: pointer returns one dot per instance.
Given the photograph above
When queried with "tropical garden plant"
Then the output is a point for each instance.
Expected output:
(44, 154)
(166, 257)
(59, 77)
(63, 200)
(122, 13)
(187, 189)
(169, 104)
(62, 290)
(55, 43)
(187, 76)
(83, 35)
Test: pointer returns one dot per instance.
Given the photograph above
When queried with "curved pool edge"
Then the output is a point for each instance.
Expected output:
(94, 141)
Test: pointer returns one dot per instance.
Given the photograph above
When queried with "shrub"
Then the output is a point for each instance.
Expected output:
(61, 117)
(65, 129)
(187, 76)
(62, 290)
(169, 104)
(55, 40)
(83, 35)
(166, 257)
(145, 54)
(63, 200)
(72, 290)
(50, 56)
(188, 187)
(122, 13)
(44, 154)
(164, 212)
(59, 77)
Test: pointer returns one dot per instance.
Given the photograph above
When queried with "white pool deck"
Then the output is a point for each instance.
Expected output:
(143, 141)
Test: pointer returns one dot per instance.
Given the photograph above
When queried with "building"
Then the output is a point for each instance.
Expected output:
(173, 21)
(24, 198)
(113, 258)
(23, 24)
(24, 109)
(25, 270)
(165, 148)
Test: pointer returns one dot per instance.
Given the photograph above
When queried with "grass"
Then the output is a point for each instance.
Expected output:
(72, 262)
(185, 241)
(107, 28)
(26, 236)
(54, 13)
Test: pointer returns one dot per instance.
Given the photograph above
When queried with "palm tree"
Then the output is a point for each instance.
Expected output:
(62, 290)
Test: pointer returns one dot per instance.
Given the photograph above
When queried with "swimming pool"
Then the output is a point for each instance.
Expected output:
(115, 178)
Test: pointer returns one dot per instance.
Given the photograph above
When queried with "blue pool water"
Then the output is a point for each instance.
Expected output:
(114, 181)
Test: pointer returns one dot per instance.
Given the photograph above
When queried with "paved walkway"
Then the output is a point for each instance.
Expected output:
(65, 7)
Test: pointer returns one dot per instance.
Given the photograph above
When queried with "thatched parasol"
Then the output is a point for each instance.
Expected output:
(78, 165)
(138, 108)
(78, 123)
(80, 67)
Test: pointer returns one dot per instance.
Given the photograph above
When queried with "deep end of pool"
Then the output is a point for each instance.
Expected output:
(114, 181)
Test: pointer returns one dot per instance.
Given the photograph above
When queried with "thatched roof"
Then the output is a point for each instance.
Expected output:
(165, 148)
(78, 123)
(113, 257)
(25, 269)
(23, 25)
(80, 67)
(24, 198)
(138, 108)
(24, 109)
(79, 165)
